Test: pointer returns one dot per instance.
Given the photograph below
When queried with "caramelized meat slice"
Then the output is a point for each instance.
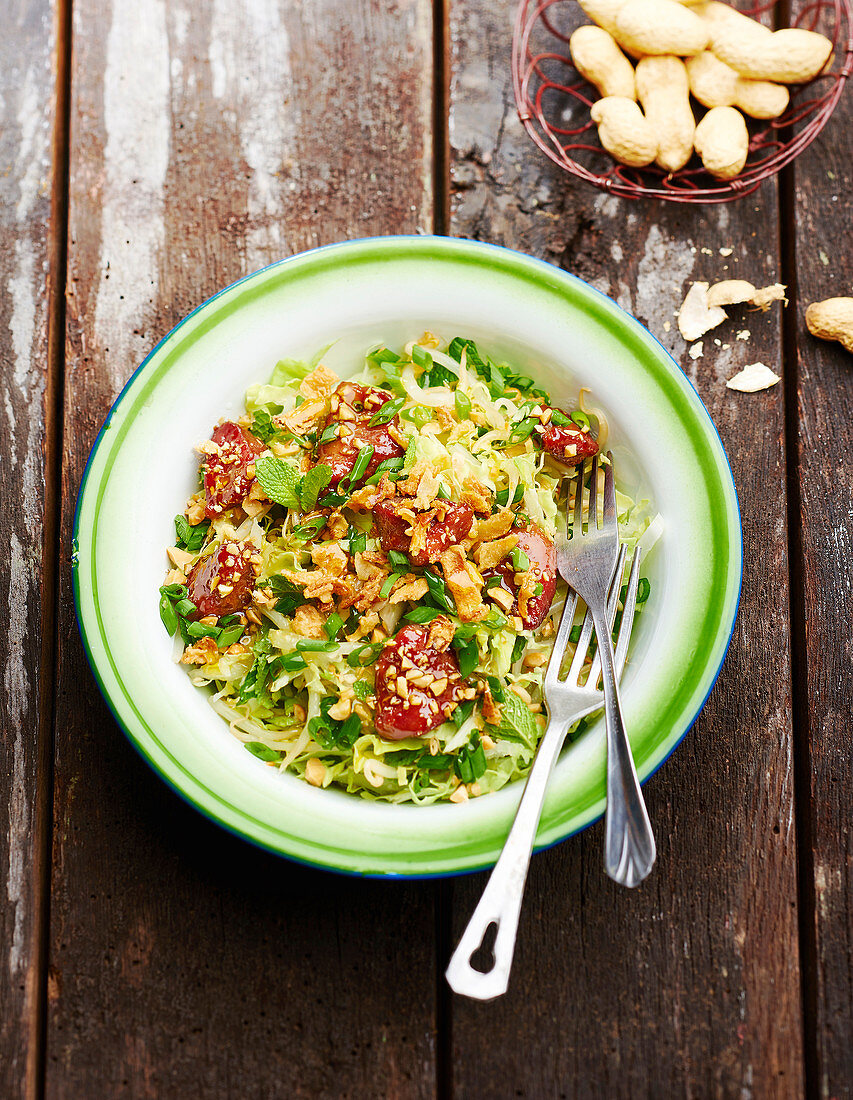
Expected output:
(417, 685)
(569, 445)
(352, 408)
(222, 583)
(434, 531)
(229, 468)
(522, 583)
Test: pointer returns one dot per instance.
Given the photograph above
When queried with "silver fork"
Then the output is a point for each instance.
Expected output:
(568, 701)
(585, 560)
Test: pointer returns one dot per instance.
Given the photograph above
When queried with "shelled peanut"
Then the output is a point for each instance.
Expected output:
(730, 63)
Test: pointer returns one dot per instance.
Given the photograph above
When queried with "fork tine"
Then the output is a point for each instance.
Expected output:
(612, 602)
(573, 675)
(582, 647)
(552, 672)
(627, 621)
(590, 495)
(594, 493)
(578, 517)
(609, 493)
(628, 610)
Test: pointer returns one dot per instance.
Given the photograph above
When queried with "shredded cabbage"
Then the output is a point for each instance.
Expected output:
(301, 693)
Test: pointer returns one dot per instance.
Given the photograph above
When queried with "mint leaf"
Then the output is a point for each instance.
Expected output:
(314, 481)
(279, 480)
(264, 428)
(517, 721)
(363, 689)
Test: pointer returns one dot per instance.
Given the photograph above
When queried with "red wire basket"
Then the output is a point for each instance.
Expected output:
(553, 103)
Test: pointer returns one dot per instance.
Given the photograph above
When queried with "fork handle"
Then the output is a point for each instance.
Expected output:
(629, 844)
(501, 901)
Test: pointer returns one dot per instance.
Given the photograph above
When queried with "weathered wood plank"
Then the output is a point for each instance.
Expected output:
(206, 141)
(689, 985)
(27, 87)
(824, 263)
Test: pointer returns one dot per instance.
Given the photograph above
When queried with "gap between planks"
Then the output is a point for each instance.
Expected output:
(53, 413)
(806, 922)
(443, 893)
(441, 65)
(806, 901)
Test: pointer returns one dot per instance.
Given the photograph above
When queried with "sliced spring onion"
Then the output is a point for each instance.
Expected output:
(361, 464)
(387, 413)
(463, 405)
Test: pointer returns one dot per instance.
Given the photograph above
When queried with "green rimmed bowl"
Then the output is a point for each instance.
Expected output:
(552, 326)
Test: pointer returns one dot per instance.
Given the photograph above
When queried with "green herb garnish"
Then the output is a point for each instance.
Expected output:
(262, 751)
(438, 591)
(278, 479)
(463, 405)
(311, 485)
(520, 561)
(387, 413)
(471, 760)
(361, 464)
(387, 466)
(190, 538)
(468, 653)
(309, 530)
(365, 655)
(423, 614)
(264, 428)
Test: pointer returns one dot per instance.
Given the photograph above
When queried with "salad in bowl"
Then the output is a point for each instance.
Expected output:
(365, 580)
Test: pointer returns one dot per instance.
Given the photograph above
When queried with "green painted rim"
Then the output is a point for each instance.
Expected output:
(361, 847)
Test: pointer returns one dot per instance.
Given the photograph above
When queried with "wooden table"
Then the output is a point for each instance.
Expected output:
(151, 153)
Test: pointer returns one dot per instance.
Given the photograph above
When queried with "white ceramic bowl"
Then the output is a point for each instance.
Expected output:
(553, 327)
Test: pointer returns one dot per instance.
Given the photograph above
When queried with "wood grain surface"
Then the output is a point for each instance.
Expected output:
(145, 952)
(688, 985)
(822, 375)
(206, 141)
(26, 571)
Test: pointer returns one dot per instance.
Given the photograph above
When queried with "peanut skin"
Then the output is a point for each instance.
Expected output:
(602, 12)
(832, 320)
(722, 141)
(715, 84)
(790, 56)
(651, 27)
(663, 90)
(624, 131)
(600, 61)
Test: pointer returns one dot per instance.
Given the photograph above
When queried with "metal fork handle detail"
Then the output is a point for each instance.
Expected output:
(629, 843)
(501, 901)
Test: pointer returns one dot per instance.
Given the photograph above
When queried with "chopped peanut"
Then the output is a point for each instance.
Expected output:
(194, 510)
(315, 772)
(341, 710)
(178, 557)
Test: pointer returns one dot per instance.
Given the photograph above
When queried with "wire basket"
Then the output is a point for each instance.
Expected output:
(554, 100)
